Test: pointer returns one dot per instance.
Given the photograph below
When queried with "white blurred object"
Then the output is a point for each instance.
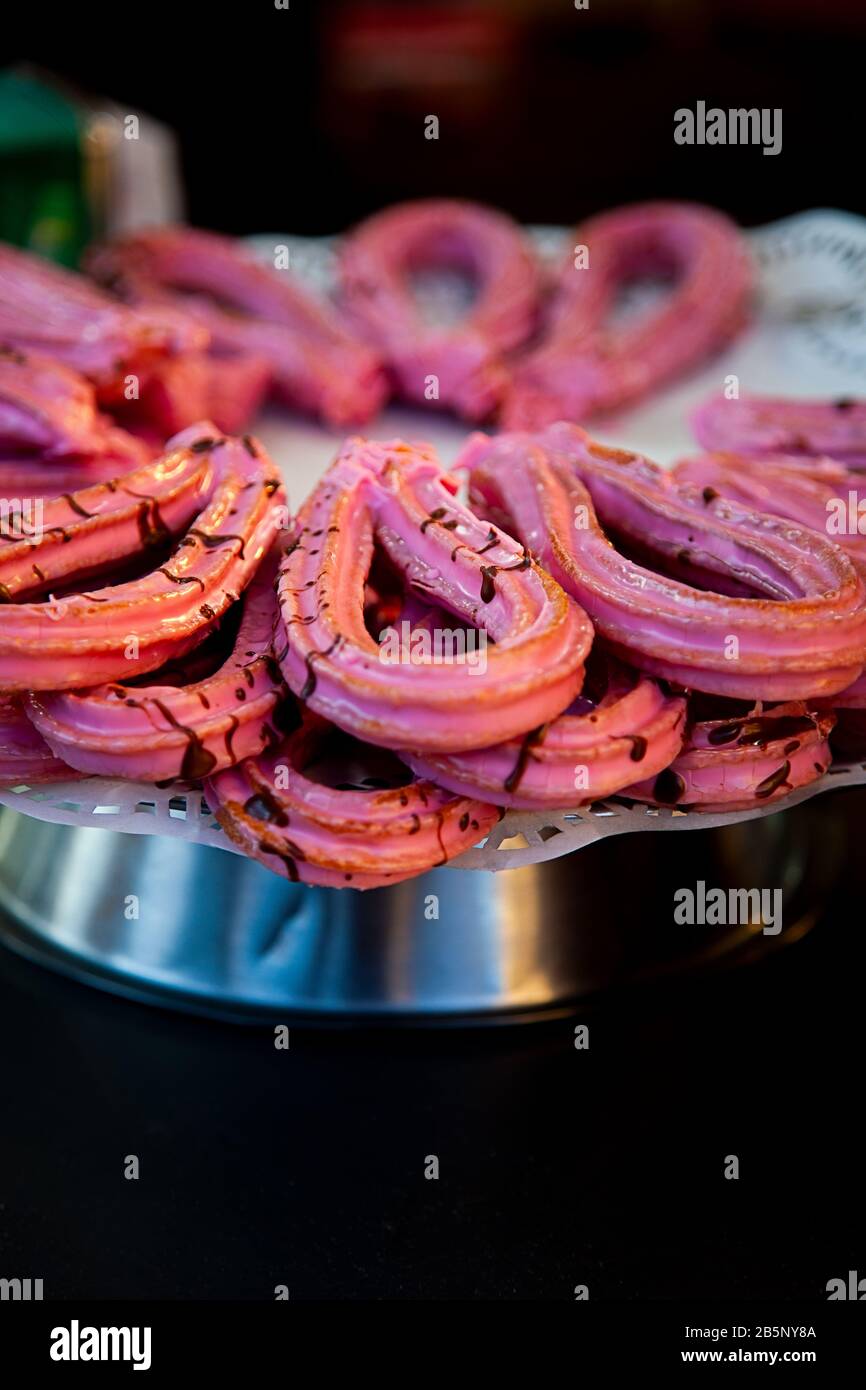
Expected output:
(133, 171)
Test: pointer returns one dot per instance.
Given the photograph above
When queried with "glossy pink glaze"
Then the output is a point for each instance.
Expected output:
(763, 426)
(585, 363)
(579, 757)
(25, 757)
(739, 772)
(48, 310)
(249, 309)
(158, 731)
(804, 637)
(221, 500)
(49, 417)
(397, 496)
(820, 493)
(377, 261)
(311, 833)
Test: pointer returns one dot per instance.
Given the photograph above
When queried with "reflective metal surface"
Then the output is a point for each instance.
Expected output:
(193, 927)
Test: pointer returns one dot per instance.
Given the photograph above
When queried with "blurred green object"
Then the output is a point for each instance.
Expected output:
(43, 173)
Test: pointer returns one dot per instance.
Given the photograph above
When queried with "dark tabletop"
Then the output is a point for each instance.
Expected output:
(557, 1167)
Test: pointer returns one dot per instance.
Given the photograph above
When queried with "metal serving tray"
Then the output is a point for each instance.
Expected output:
(217, 933)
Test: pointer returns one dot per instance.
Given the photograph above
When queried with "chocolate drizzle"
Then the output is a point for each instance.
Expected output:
(638, 747)
(725, 733)
(152, 530)
(488, 583)
(287, 859)
(181, 578)
(772, 783)
(760, 731)
(76, 506)
(198, 761)
(229, 735)
(668, 788)
(440, 823)
(436, 515)
(530, 741)
(310, 683)
(213, 542)
(489, 573)
(263, 805)
(309, 619)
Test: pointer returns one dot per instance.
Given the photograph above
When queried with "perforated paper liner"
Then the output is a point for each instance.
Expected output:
(521, 838)
(808, 338)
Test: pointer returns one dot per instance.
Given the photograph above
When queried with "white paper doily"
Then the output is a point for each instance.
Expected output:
(808, 338)
(521, 838)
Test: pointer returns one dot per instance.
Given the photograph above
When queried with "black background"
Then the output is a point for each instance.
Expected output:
(286, 121)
